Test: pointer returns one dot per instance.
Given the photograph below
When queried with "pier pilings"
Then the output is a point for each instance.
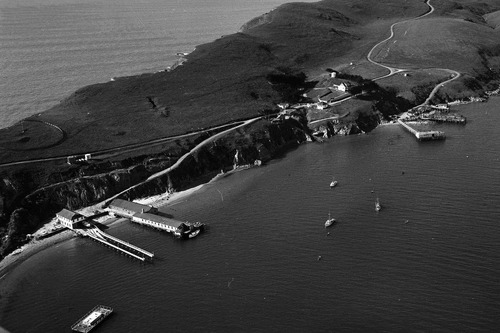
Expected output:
(118, 244)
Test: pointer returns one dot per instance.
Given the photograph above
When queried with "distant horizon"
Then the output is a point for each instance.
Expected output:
(53, 47)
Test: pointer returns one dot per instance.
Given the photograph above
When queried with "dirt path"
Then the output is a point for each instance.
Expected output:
(183, 157)
(392, 70)
(106, 153)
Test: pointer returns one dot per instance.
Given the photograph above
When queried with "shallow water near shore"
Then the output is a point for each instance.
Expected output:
(428, 261)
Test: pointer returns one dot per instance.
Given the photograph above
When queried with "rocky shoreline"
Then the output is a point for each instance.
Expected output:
(212, 87)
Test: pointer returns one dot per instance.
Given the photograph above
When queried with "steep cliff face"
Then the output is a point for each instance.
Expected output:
(81, 192)
(261, 141)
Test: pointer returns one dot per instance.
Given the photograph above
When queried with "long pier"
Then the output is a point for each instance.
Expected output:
(118, 244)
(423, 135)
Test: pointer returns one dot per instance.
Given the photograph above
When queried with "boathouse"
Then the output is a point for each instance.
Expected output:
(128, 208)
(160, 222)
(69, 219)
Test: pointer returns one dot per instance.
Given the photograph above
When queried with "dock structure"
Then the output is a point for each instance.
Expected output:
(178, 228)
(127, 208)
(92, 318)
(423, 135)
(147, 215)
(118, 244)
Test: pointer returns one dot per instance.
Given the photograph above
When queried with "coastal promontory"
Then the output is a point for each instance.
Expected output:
(343, 65)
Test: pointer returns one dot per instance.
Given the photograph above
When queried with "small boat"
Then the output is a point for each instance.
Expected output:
(330, 221)
(378, 206)
(333, 183)
(194, 233)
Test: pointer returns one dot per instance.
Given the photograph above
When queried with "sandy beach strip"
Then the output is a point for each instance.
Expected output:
(33, 247)
(37, 245)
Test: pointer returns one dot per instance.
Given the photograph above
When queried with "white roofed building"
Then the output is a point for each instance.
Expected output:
(69, 219)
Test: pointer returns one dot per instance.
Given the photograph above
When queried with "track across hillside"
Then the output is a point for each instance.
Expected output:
(392, 70)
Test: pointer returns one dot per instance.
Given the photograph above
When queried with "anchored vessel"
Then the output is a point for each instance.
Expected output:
(378, 206)
(330, 221)
(92, 319)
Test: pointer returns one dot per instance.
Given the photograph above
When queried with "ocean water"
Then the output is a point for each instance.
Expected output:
(427, 262)
(50, 48)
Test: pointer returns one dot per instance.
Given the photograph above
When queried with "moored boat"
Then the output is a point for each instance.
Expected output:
(330, 221)
(192, 230)
(333, 183)
(92, 319)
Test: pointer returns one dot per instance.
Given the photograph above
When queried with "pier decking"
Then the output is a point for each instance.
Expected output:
(423, 135)
(118, 244)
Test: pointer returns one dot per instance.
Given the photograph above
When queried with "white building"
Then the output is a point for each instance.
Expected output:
(160, 222)
(341, 87)
(69, 219)
(128, 208)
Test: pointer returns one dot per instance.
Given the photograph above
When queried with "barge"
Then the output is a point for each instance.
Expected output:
(92, 319)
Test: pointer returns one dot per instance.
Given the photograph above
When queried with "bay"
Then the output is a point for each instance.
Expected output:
(428, 261)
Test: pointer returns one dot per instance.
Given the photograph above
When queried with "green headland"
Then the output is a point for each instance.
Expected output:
(277, 82)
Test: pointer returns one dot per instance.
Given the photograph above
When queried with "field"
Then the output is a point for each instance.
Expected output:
(406, 84)
(231, 78)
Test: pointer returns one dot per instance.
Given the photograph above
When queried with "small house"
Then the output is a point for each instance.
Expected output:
(69, 219)
(343, 86)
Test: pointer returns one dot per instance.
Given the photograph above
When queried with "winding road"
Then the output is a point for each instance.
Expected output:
(106, 153)
(183, 157)
(392, 70)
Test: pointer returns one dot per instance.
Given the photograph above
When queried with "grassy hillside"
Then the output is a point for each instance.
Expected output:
(229, 79)
(274, 59)
(451, 43)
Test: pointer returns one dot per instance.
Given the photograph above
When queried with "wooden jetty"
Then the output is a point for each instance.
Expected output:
(423, 135)
(118, 244)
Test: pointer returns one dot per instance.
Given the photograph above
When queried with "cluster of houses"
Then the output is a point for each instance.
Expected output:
(333, 89)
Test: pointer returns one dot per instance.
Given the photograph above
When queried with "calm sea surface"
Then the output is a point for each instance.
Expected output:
(429, 261)
(50, 48)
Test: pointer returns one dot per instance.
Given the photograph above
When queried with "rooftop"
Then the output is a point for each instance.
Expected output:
(160, 219)
(129, 205)
(68, 214)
